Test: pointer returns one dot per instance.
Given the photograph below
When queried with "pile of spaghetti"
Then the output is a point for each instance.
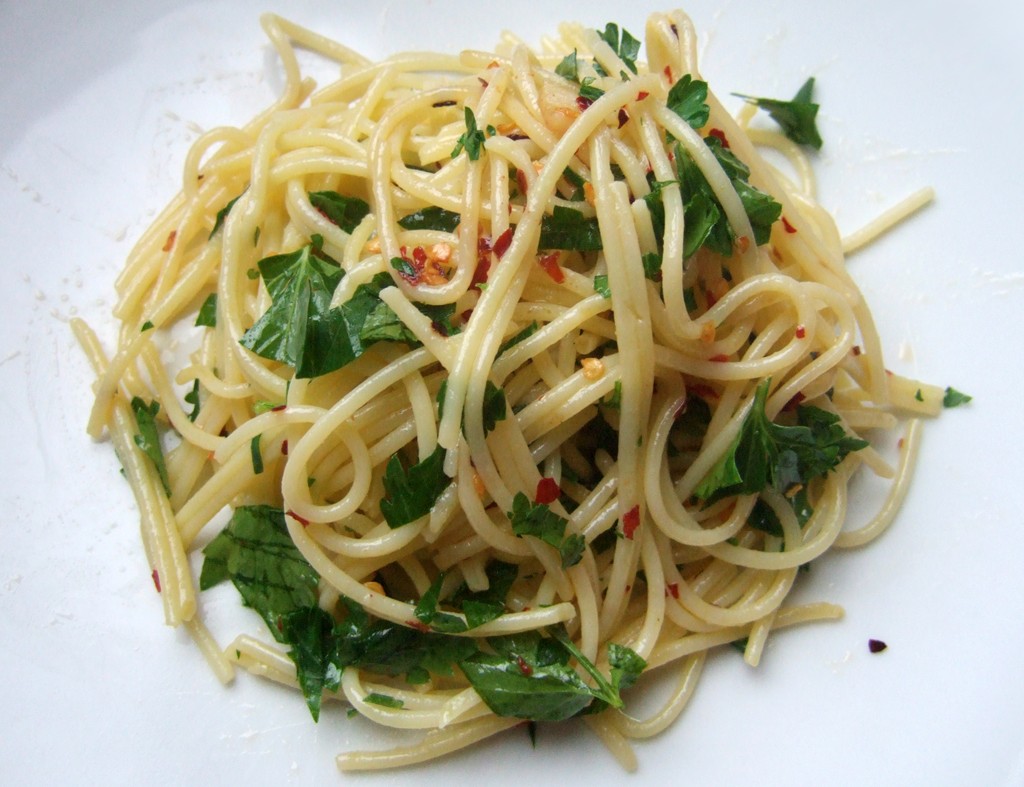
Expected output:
(510, 376)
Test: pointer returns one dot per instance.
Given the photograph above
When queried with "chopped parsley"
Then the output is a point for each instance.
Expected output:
(431, 218)
(622, 43)
(797, 117)
(148, 438)
(955, 398)
(411, 492)
(765, 453)
(472, 141)
(345, 212)
(207, 316)
(538, 520)
(568, 228)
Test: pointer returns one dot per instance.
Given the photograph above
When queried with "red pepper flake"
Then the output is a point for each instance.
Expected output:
(792, 404)
(718, 134)
(630, 522)
(284, 448)
(466, 315)
(280, 624)
(549, 262)
(169, 243)
(876, 645)
(623, 117)
(418, 625)
(801, 332)
(521, 182)
(705, 392)
(156, 580)
(502, 243)
(302, 521)
(787, 226)
(642, 95)
(720, 358)
(583, 103)
(278, 408)
(524, 668)
(482, 81)
(419, 256)
(668, 74)
(856, 349)
(548, 491)
(672, 589)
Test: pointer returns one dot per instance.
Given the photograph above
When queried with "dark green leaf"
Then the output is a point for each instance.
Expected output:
(566, 228)
(310, 632)
(208, 312)
(345, 212)
(495, 405)
(256, 553)
(411, 493)
(766, 453)
(472, 141)
(589, 91)
(512, 341)
(223, 214)
(257, 456)
(955, 398)
(536, 519)
(571, 549)
(384, 699)
(192, 398)
(688, 99)
(431, 218)
(148, 438)
(797, 117)
(624, 45)
(569, 67)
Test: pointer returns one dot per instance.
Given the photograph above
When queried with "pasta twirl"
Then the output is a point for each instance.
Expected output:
(519, 373)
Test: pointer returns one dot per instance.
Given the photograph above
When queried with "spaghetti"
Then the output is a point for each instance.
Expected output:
(518, 373)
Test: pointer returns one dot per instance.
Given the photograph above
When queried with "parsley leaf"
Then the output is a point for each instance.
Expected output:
(797, 117)
(208, 312)
(483, 606)
(345, 212)
(512, 341)
(472, 141)
(765, 453)
(706, 223)
(569, 67)
(431, 218)
(528, 676)
(411, 493)
(601, 286)
(223, 214)
(148, 438)
(495, 405)
(426, 610)
(301, 329)
(192, 398)
(301, 285)
(256, 553)
(955, 398)
(538, 520)
(567, 228)
(624, 45)
(688, 99)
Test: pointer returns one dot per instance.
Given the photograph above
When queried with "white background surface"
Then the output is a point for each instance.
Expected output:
(98, 108)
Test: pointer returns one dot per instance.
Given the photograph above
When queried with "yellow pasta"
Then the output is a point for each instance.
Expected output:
(525, 358)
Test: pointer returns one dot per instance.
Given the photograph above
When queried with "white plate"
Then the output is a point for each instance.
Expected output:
(98, 109)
